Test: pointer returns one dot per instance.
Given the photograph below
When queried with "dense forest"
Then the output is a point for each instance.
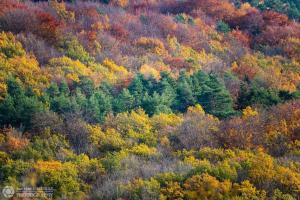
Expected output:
(151, 99)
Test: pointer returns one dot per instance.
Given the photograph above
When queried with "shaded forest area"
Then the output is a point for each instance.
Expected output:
(151, 99)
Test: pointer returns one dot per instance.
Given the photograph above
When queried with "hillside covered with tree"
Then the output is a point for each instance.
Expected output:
(151, 99)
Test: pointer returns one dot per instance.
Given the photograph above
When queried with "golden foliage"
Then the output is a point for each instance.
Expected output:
(9, 46)
(62, 11)
(15, 62)
(110, 139)
(262, 170)
(66, 68)
(247, 190)
(163, 121)
(276, 71)
(206, 187)
(114, 73)
(121, 3)
(172, 191)
(194, 60)
(197, 109)
(135, 125)
(249, 112)
(291, 46)
(154, 45)
(191, 160)
(48, 166)
(143, 150)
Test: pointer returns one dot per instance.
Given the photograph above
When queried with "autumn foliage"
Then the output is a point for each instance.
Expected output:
(149, 99)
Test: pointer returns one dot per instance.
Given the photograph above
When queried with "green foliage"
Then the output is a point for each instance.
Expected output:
(19, 106)
(185, 97)
(214, 97)
(43, 149)
(278, 195)
(13, 169)
(140, 189)
(159, 96)
(124, 101)
(288, 7)
(223, 27)
(183, 18)
(73, 49)
(260, 95)
(224, 171)
(112, 161)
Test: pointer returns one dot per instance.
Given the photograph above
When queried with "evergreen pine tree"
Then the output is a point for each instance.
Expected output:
(105, 105)
(124, 101)
(215, 99)
(64, 88)
(185, 96)
(53, 90)
(136, 88)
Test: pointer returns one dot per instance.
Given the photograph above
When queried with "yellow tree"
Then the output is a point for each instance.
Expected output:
(66, 68)
(14, 62)
(61, 10)
(172, 191)
(61, 176)
(108, 140)
(205, 187)
(135, 125)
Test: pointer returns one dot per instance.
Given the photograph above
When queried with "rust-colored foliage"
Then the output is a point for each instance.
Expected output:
(7, 5)
(241, 37)
(115, 99)
(48, 27)
(13, 140)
